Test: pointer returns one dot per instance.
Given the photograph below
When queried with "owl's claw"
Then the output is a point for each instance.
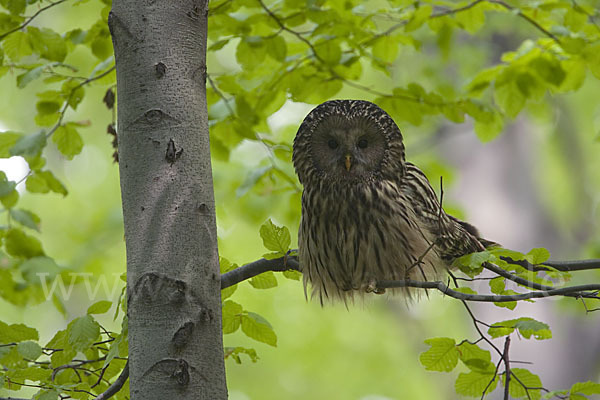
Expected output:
(371, 287)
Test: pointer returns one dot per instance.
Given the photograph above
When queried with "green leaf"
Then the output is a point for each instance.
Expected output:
(292, 274)
(30, 145)
(60, 341)
(549, 69)
(251, 52)
(16, 7)
(25, 78)
(19, 244)
(47, 43)
(99, 307)
(16, 45)
(418, 18)
(526, 326)
(43, 182)
(36, 373)
(34, 268)
(82, 332)
(576, 73)
(509, 98)
(277, 48)
(587, 388)
(442, 356)
(525, 378)
(529, 326)
(537, 255)
(43, 394)
(234, 353)
(119, 347)
(574, 19)
(591, 55)
(402, 107)
(225, 265)
(275, 238)
(329, 51)
(482, 80)
(26, 218)
(468, 351)
(228, 292)
(74, 92)
(7, 141)
(253, 176)
(67, 140)
(266, 280)
(471, 19)
(44, 107)
(497, 285)
(386, 48)
(231, 312)
(17, 333)
(29, 350)
(7, 187)
(489, 129)
(257, 328)
(98, 38)
(474, 383)
(465, 289)
(11, 199)
(470, 264)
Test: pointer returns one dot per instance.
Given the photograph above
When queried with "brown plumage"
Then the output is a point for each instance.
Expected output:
(367, 214)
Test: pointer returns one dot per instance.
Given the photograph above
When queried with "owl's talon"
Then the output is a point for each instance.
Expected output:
(371, 287)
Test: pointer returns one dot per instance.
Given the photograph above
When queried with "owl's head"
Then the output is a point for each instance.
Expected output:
(348, 142)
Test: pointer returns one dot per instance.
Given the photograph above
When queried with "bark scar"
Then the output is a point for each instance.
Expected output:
(172, 153)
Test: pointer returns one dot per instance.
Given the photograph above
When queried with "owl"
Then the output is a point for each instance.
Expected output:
(367, 214)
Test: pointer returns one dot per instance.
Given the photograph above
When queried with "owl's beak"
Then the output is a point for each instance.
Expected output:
(348, 162)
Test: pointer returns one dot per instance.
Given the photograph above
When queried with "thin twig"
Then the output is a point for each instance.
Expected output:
(66, 105)
(475, 324)
(506, 367)
(30, 19)
(525, 17)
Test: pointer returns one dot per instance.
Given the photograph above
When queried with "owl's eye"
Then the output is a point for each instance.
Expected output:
(362, 143)
(333, 144)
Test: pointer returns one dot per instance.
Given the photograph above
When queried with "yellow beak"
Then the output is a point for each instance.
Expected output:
(348, 162)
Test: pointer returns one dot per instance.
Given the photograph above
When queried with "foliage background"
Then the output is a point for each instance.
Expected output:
(535, 185)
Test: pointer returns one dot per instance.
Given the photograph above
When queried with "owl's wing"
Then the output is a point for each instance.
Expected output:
(455, 238)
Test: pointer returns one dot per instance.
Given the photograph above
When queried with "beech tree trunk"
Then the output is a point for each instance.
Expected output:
(173, 281)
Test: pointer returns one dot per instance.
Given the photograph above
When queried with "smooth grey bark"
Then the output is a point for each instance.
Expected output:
(174, 304)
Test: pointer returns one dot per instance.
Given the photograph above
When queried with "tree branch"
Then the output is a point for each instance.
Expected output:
(258, 267)
(563, 266)
(12, 398)
(116, 385)
(590, 290)
(286, 263)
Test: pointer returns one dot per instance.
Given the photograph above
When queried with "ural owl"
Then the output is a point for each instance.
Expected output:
(367, 214)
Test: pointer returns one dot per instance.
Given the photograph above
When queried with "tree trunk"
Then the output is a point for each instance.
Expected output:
(174, 307)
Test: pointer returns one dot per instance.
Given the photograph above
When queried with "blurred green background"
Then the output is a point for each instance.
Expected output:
(537, 185)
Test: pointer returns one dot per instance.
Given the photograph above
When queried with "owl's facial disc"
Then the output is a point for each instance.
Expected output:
(348, 149)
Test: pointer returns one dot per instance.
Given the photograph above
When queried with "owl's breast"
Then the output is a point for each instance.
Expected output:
(354, 235)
